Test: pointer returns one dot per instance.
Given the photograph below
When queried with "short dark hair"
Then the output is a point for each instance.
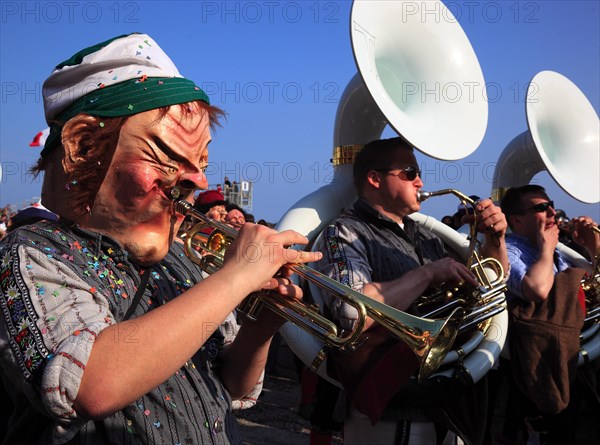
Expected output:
(560, 213)
(511, 202)
(233, 206)
(376, 154)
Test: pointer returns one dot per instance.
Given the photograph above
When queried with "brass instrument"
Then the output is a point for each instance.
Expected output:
(429, 339)
(556, 119)
(566, 224)
(480, 304)
(591, 282)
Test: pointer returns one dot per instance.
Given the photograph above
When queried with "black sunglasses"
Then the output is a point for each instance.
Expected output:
(539, 208)
(410, 173)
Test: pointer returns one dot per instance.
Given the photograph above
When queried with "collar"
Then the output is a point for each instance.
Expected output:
(104, 244)
(521, 239)
(366, 211)
(527, 242)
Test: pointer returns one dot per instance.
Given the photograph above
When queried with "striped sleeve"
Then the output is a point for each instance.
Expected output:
(51, 318)
(344, 260)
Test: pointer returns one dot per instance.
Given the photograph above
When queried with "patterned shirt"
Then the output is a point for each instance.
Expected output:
(364, 246)
(60, 286)
(522, 254)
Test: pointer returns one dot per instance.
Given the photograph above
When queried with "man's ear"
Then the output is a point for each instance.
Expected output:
(373, 179)
(513, 221)
(76, 139)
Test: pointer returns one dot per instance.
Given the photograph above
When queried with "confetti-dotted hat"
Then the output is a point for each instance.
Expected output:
(123, 76)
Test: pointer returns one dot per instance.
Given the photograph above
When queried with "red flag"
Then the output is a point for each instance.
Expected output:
(40, 139)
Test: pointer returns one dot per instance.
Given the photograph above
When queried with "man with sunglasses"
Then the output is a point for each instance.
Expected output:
(534, 283)
(532, 244)
(377, 250)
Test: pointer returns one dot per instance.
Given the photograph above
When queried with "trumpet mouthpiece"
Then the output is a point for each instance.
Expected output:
(183, 207)
(422, 195)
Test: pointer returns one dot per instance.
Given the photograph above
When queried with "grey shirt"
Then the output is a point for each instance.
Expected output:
(363, 246)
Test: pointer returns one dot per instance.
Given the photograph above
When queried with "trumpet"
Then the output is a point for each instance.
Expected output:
(429, 339)
(590, 283)
(565, 223)
(481, 303)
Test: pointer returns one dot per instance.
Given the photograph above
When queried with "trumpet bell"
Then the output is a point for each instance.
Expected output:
(204, 245)
(444, 341)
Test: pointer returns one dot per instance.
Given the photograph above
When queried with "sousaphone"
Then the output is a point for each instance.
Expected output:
(419, 74)
(563, 137)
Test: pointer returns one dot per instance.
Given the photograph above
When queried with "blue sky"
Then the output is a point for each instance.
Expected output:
(278, 68)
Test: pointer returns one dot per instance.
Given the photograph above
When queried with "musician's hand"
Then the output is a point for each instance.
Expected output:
(585, 234)
(450, 272)
(282, 284)
(490, 219)
(279, 286)
(547, 235)
(259, 253)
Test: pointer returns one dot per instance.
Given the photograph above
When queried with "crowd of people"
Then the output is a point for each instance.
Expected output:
(11, 220)
(111, 334)
(213, 203)
(6, 214)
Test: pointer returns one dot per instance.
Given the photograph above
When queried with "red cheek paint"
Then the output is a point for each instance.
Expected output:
(133, 183)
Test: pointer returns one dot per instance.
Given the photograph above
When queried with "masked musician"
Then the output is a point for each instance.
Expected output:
(102, 311)
(378, 251)
(542, 284)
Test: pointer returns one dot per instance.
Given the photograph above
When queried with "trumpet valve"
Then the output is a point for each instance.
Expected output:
(251, 306)
(314, 308)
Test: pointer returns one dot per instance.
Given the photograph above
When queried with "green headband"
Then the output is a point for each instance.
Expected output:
(126, 99)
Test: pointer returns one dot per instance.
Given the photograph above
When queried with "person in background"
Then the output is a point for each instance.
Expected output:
(460, 222)
(6, 215)
(102, 310)
(263, 222)
(448, 220)
(212, 204)
(31, 214)
(235, 217)
(536, 266)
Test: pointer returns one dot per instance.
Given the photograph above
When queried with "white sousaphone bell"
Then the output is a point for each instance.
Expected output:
(564, 139)
(419, 74)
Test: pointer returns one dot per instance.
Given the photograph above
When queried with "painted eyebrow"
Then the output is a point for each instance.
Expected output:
(162, 146)
(204, 158)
